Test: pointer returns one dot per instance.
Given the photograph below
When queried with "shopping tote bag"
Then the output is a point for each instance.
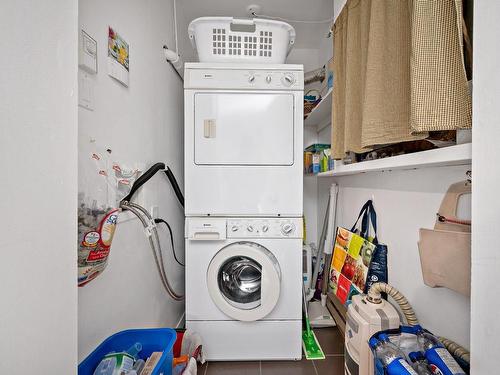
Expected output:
(352, 258)
(377, 271)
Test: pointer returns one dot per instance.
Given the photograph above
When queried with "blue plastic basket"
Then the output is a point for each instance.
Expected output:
(152, 340)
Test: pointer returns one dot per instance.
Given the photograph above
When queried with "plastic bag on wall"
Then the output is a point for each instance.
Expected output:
(102, 184)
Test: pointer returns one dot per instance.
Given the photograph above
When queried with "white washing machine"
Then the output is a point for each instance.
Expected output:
(244, 285)
(243, 139)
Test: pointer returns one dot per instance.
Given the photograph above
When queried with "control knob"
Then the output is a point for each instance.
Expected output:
(250, 228)
(288, 79)
(268, 79)
(251, 78)
(287, 229)
(234, 228)
(265, 228)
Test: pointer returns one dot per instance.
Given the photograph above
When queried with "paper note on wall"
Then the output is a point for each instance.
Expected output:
(118, 57)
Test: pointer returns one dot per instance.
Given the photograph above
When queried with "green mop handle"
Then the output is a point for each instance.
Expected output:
(308, 326)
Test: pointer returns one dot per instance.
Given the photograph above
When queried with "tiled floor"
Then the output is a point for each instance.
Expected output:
(331, 342)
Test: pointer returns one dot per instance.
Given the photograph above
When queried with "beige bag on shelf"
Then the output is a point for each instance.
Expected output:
(445, 250)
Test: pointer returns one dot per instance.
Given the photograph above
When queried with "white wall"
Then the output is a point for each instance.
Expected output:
(141, 124)
(313, 225)
(38, 159)
(485, 329)
(305, 56)
(406, 201)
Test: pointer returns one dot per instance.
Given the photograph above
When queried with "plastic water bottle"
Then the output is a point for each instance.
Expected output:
(391, 357)
(419, 363)
(440, 360)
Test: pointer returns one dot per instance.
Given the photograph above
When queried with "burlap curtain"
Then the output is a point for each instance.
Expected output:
(440, 97)
(375, 78)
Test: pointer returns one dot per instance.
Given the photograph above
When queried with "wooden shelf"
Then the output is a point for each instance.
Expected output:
(441, 157)
(322, 112)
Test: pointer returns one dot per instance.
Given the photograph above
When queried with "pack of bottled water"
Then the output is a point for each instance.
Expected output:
(413, 351)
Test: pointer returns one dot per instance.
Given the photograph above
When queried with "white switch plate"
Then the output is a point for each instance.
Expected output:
(85, 91)
(87, 53)
(155, 212)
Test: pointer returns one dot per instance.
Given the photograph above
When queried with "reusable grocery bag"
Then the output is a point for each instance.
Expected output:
(377, 271)
(352, 257)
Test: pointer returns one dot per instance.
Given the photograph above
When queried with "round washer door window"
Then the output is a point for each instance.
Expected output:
(244, 281)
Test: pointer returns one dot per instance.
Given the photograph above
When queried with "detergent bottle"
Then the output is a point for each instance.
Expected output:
(391, 357)
(118, 363)
(440, 360)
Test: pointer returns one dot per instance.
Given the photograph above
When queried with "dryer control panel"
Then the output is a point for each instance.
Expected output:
(264, 228)
(244, 77)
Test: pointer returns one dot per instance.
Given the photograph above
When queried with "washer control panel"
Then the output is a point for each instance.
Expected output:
(264, 228)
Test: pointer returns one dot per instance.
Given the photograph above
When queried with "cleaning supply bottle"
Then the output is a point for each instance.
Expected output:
(391, 357)
(419, 363)
(179, 364)
(139, 365)
(440, 360)
(118, 363)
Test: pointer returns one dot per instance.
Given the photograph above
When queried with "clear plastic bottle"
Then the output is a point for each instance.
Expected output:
(440, 360)
(419, 363)
(391, 357)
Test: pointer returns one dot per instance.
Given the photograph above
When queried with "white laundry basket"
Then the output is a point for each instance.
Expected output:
(227, 39)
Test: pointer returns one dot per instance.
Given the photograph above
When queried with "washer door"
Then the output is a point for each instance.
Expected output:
(243, 280)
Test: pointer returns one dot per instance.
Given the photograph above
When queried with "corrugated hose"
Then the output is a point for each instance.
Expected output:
(375, 296)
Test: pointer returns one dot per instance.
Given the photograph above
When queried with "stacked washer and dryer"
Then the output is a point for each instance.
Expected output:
(243, 205)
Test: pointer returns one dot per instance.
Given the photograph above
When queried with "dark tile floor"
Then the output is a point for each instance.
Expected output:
(331, 342)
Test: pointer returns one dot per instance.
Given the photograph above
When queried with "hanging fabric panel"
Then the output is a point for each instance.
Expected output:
(440, 97)
(371, 97)
(386, 109)
(338, 103)
(358, 23)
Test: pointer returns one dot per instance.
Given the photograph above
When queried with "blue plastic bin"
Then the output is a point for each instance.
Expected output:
(152, 340)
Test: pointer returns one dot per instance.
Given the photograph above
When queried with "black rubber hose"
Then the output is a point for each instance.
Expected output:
(145, 177)
(175, 186)
(171, 239)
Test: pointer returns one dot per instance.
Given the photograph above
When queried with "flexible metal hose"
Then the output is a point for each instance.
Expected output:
(150, 227)
(374, 296)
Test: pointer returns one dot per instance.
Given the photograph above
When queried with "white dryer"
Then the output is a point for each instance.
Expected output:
(243, 139)
(244, 285)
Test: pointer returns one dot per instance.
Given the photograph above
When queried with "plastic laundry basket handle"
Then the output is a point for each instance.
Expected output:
(240, 21)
